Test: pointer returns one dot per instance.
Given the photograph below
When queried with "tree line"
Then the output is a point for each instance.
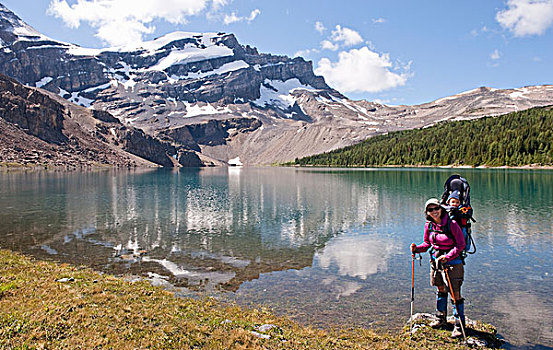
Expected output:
(514, 139)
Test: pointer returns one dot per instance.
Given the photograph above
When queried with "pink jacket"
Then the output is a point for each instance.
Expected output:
(441, 241)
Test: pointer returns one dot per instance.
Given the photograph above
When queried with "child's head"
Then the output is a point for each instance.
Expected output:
(453, 199)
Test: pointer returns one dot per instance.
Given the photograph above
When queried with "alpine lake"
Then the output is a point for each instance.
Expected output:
(327, 247)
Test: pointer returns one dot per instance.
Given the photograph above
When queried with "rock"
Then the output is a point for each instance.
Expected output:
(472, 341)
(66, 280)
(478, 333)
(189, 159)
(266, 327)
(260, 335)
(36, 113)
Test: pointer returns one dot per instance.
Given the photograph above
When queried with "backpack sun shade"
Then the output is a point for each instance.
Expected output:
(459, 184)
(463, 214)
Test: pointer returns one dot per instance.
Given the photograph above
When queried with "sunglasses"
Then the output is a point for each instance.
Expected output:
(433, 209)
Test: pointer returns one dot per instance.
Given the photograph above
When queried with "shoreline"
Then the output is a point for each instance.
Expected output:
(6, 167)
(53, 305)
(523, 167)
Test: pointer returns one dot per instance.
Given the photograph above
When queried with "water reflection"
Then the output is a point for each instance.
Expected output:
(324, 246)
(356, 256)
(531, 316)
(183, 225)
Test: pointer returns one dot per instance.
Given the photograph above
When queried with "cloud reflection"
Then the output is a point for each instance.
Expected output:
(356, 256)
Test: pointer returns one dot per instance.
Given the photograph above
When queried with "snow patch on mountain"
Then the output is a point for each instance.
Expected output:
(83, 51)
(235, 162)
(194, 110)
(516, 94)
(464, 93)
(225, 68)
(279, 93)
(43, 82)
(202, 40)
(191, 53)
(20, 29)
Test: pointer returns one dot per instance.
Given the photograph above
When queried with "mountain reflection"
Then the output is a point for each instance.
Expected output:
(205, 229)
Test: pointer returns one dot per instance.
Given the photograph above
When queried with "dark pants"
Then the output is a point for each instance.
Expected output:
(456, 273)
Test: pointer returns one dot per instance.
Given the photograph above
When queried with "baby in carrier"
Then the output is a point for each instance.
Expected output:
(461, 215)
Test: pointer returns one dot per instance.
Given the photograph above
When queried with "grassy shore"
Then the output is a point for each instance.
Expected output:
(89, 310)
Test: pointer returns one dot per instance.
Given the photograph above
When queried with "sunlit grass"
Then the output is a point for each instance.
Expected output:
(95, 311)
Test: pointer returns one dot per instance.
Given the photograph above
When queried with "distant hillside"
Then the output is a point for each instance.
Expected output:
(514, 139)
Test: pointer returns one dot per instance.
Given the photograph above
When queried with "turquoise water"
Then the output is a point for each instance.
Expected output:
(325, 246)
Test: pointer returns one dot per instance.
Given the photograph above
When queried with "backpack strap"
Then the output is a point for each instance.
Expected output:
(448, 233)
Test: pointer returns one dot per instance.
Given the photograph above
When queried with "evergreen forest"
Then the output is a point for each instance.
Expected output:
(514, 139)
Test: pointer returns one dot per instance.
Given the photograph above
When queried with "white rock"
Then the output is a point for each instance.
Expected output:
(266, 327)
(259, 335)
(65, 280)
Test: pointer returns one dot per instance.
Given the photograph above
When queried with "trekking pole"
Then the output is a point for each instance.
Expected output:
(454, 301)
(413, 292)
(412, 295)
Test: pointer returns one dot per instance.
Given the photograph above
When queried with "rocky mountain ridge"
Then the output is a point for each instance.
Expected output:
(209, 95)
(41, 129)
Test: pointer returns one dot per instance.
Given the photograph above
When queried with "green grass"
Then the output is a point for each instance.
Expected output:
(97, 311)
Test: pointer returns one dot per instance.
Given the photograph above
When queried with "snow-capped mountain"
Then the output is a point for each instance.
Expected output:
(208, 93)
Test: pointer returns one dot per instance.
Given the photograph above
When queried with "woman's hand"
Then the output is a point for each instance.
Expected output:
(442, 259)
(413, 248)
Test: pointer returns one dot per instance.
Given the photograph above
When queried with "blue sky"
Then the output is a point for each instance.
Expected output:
(395, 52)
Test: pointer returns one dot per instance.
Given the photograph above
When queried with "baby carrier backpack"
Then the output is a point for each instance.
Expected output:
(463, 214)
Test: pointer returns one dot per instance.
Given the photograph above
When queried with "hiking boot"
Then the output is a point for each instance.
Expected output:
(439, 322)
(457, 332)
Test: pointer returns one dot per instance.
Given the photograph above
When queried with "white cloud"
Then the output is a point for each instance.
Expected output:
(348, 37)
(254, 14)
(361, 70)
(328, 45)
(233, 18)
(477, 32)
(341, 37)
(304, 53)
(527, 17)
(379, 20)
(119, 22)
(495, 55)
(218, 4)
(319, 26)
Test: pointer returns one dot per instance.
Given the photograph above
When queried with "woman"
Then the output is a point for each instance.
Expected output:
(445, 240)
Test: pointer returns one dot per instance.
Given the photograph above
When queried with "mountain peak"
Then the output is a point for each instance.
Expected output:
(150, 47)
(13, 28)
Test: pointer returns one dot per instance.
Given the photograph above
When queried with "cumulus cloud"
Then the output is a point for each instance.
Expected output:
(361, 70)
(341, 37)
(233, 18)
(122, 22)
(306, 52)
(218, 4)
(348, 37)
(495, 55)
(319, 26)
(119, 22)
(527, 17)
(329, 45)
(379, 20)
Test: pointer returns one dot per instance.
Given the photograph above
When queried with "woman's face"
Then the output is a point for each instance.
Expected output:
(435, 212)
